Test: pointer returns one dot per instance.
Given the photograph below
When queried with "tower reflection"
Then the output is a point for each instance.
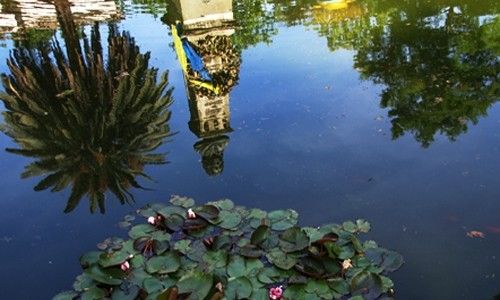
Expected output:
(210, 62)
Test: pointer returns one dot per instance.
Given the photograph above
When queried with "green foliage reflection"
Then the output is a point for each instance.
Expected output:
(89, 124)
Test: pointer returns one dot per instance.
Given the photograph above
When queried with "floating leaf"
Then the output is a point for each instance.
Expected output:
(349, 226)
(283, 219)
(141, 230)
(260, 234)
(208, 212)
(281, 260)
(224, 204)
(166, 263)
(251, 251)
(182, 201)
(230, 219)
(293, 239)
(238, 288)
(152, 285)
(182, 246)
(363, 226)
(113, 258)
(101, 276)
(67, 295)
(367, 284)
(196, 284)
(93, 293)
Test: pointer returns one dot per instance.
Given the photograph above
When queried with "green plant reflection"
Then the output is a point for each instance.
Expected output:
(90, 124)
(438, 61)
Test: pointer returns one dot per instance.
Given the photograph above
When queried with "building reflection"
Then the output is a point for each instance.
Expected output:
(91, 123)
(203, 41)
(19, 16)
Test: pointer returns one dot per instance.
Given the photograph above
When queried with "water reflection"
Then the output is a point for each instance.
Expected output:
(90, 124)
(439, 66)
(211, 64)
(34, 21)
(438, 61)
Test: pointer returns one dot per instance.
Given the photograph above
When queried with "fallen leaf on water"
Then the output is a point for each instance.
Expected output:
(475, 234)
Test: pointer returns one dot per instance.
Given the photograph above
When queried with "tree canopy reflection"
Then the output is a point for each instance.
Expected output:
(90, 124)
(438, 61)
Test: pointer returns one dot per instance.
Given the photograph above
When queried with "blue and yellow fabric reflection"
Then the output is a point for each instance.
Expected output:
(187, 55)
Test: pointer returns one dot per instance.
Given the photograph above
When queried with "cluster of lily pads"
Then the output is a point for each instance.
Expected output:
(222, 251)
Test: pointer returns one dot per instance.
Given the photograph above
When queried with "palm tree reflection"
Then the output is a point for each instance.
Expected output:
(89, 124)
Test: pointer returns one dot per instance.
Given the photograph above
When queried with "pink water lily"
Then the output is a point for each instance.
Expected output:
(191, 214)
(125, 266)
(152, 220)
(276, 293)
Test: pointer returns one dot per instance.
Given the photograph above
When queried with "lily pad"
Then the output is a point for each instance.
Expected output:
(282, 219)
(238, 288)
(260, 234)
(293, 239)
(182, 201)
(281, 260)
(230, 219)
(167, 263)
(97, 274)
(196, 284)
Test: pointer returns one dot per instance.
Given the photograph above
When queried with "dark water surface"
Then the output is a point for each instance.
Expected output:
(377, 109)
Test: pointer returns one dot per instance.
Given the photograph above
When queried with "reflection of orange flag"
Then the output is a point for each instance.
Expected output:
(181, 56)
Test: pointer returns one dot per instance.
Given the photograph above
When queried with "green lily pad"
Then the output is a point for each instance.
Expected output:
(182, 201)
(293, 239)
(66, 295)
(93, 293)
(82, 283)
(349, 226)
(239, 266)
(89, 258)
(130, 293)
(251, 251)
(208, 212)
(97, 274)
(215, 259)
(167, 263)
(172, 210)
(224, 204)
(366, 284)
(152, 285)
(283, 219)
(339, 285)
(238, 288)
(113, 258)
(281, 260)
(141, 230)
(260, 234)
(230, 219)
(197, 284)
(362, 225)
(182, 246)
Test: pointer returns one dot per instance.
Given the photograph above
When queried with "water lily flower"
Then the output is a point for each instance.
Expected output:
(219, 287)
(346, 264)
(276, 293)
(125, 266)
(191, 214)
(152, 220)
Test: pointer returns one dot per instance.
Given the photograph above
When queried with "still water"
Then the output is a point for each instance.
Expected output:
(377, 109)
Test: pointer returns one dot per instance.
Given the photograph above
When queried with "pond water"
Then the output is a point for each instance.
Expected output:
(378, 109)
